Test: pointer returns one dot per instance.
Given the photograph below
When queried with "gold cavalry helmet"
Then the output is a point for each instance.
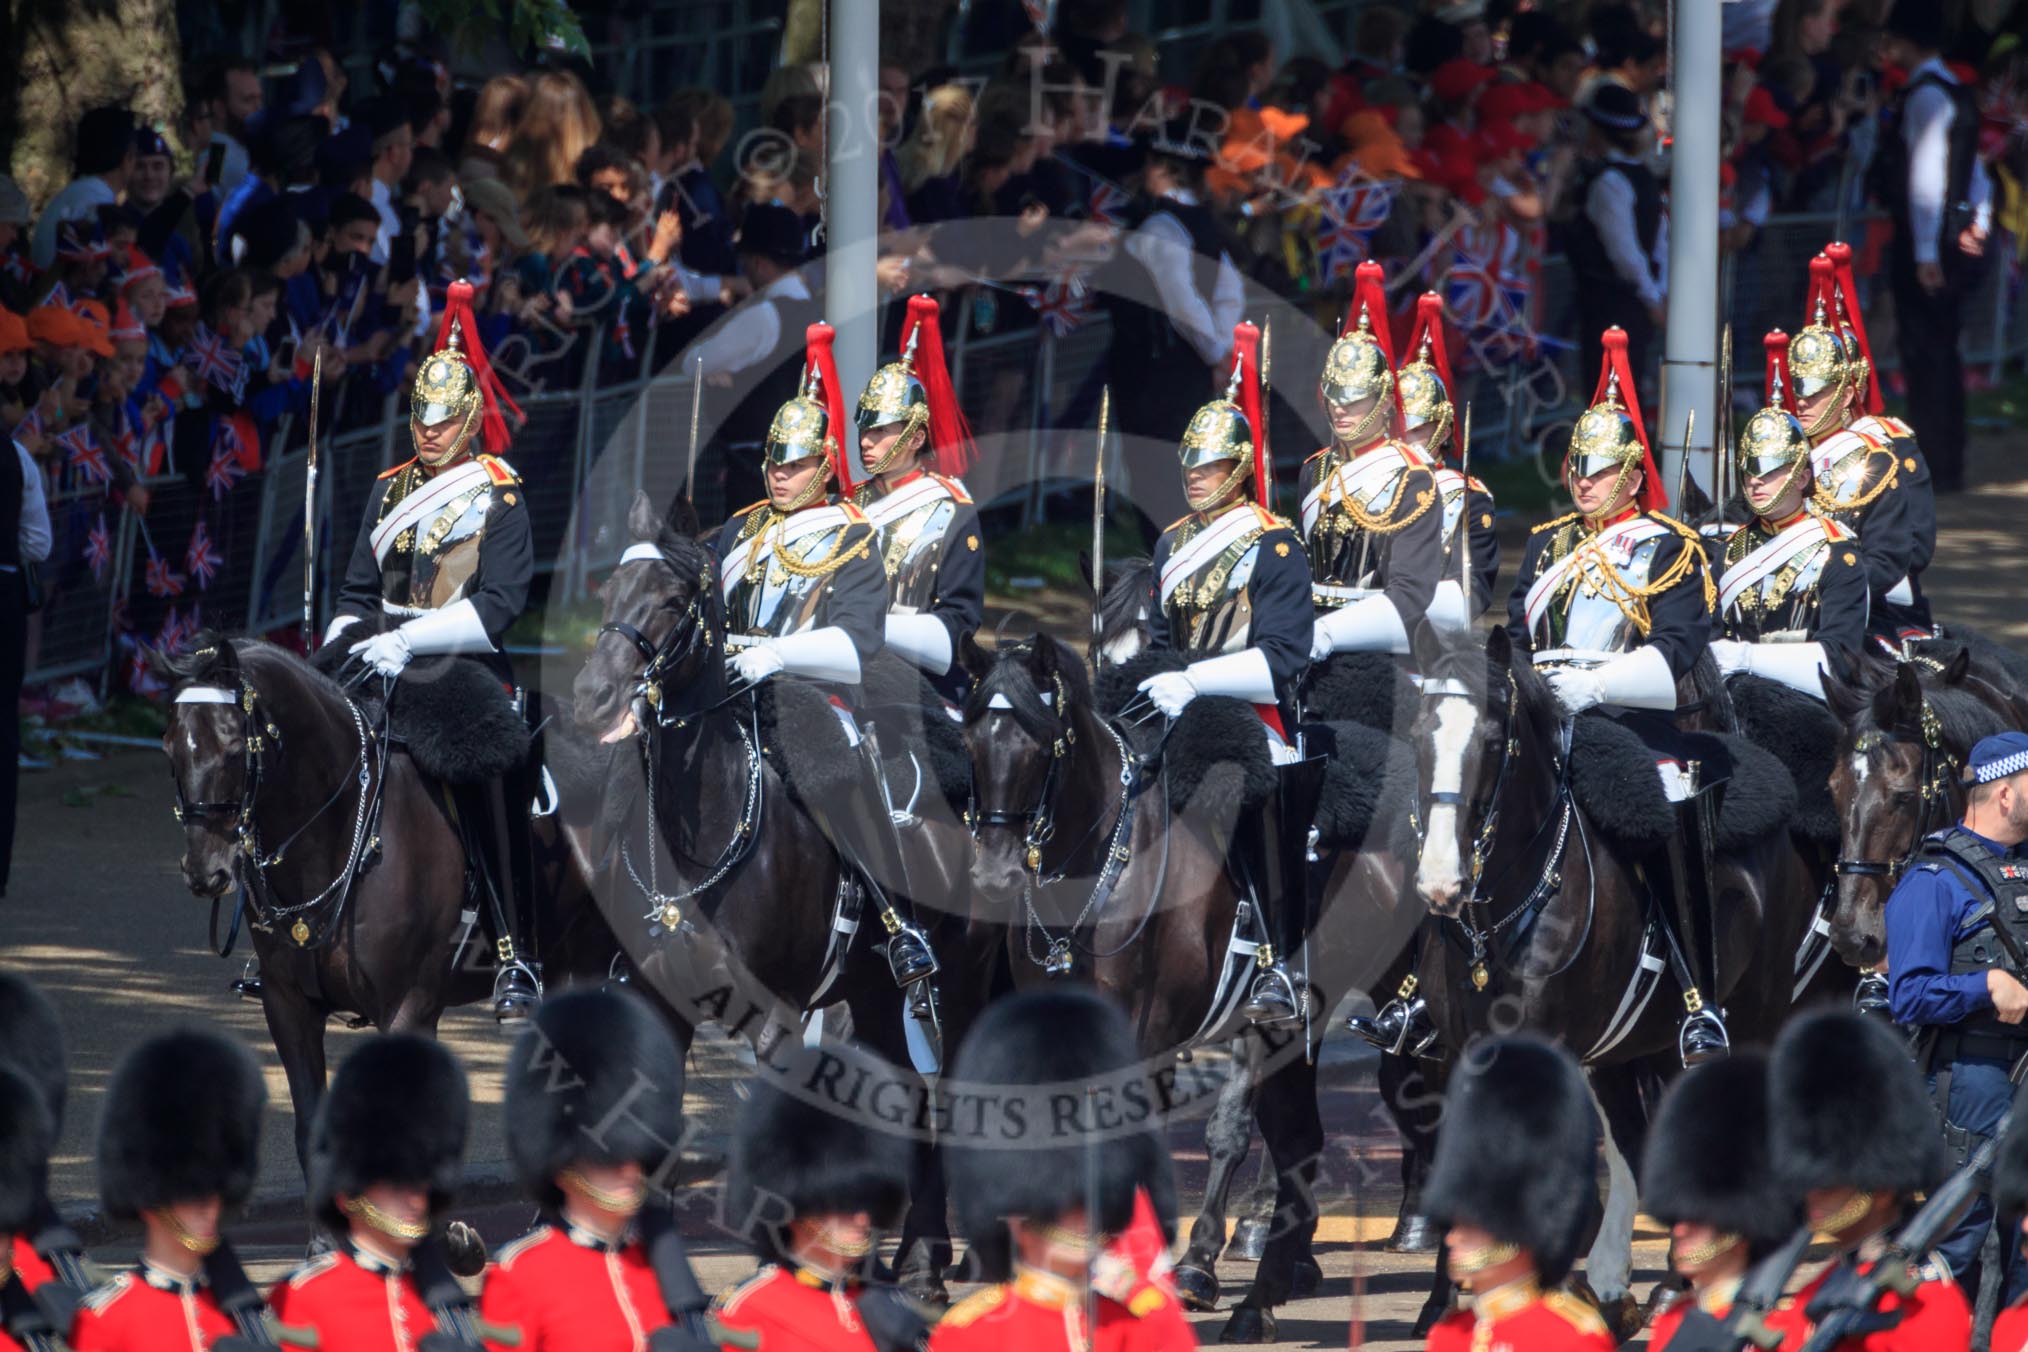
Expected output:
(1821, 356)
(1773, 438)
(811, 423)
(446, 387)
(457, 382)
(1218, 431)
(1605, 436)
(1424, 384)
(896, 394)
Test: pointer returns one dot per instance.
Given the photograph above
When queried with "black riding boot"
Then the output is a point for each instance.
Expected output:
(1401, 1026)
(862, 830)
(517, 985)
(1271, 849)
(1686, 884)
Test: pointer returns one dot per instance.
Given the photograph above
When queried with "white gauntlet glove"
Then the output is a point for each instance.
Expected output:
(386, 653)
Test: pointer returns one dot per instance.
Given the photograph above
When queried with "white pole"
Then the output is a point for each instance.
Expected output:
(1690, 352)
(852, 191)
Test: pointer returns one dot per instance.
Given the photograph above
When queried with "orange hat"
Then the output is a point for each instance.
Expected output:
(1377, 147)
(58, 327)
(13, 333)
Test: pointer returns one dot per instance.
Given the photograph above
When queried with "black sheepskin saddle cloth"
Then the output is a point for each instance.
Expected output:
(1800, 732)
(456, 720)
(1613, 779)
(915, 730)
(1369, 788)
(1365, 688)
(1215, 759)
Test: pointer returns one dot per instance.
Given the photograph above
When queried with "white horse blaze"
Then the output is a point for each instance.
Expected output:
(1441, 869)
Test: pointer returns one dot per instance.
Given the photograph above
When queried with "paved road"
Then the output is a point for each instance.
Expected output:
(100, 917)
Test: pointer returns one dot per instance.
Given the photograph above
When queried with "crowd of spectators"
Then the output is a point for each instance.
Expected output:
(167, 307)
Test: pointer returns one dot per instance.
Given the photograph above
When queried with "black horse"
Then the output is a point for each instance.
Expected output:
(1099, 872)
(1539, 916)
(752, 925)
(355, 875)
(1907, 729)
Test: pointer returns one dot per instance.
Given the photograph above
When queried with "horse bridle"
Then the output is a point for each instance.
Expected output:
(255, 733)
(1489, 825)
(1038, 823)
(659, 656)
(1934, 772)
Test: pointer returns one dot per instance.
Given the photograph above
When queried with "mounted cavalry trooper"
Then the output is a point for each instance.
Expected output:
(386, 1154)
(1957, 957)
(1832, 1071)
(444, 559)
(1429, 423)
(913, 441)
(1370, 515)
(1513, 1183)
(810, 1186)
(1231, 591)
(1791, 588)
(1869, 475)
(179, 1144)
(805, 595)
(1069, 1215)
(1614, 602)
(594, 1118)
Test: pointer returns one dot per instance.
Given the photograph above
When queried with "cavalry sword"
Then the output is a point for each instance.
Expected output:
(1098, 534)
(1683, 465)
(1724, 443)
(1267, 388)
(310, 508)
(696, 409)
(1465, 516)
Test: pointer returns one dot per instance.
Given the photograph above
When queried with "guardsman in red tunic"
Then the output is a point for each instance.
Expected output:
(812, 1183)
(30, 1303)
(1707, 1177)
(1025, 1183)
(179, 1143)
(1514, 1183)
(46, 1249)
(386, 1153)
(594, 1120)
(2010, 1198)
(1855, 1134)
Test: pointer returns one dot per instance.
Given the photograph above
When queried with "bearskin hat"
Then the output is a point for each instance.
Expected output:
(1034, 1057)
(1832, 1071)
(596, 1078)
(31, 1038)
(800, 1153)
(1517, 1153)
(181, 1121)
(2010, 1165)
(397, 1112)
(1707, 1155)
(26, 1134)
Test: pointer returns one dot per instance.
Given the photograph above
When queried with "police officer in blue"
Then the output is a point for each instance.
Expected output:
(1957, 956)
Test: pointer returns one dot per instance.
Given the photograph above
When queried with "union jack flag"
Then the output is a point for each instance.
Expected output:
(58, 295)
(17, 267)
(126, 445)
(30, 424)
(155, 446)
(141, 677)
(223, 473)
(216, 362)
(202, 558)
(99, 549)
(81, 450)
(162, 582)
(1063, 304)
(1486, 292)
(1353, 210)
(173, 633)
(1107, 203)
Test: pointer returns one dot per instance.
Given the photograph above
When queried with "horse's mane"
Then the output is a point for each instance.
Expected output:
(1962, 717)
(1011, 679)
(214, 658)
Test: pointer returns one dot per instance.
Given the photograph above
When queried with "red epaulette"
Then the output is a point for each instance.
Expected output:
(751, 506)
(498, 471)
(953, 487)
(390, 473)
(853, 516)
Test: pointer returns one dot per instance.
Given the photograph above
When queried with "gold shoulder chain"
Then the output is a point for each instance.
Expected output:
(1823, 501)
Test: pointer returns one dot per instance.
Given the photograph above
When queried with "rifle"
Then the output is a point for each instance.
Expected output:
(1848, 1304)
